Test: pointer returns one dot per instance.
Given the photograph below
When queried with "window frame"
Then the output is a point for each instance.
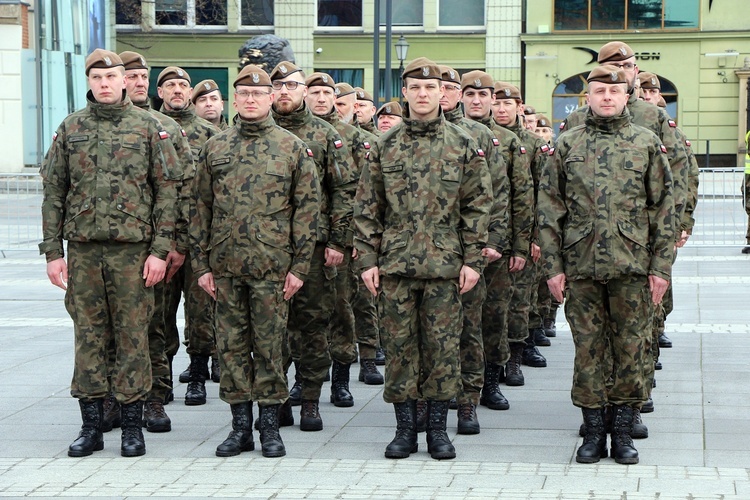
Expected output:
(263, 28)
(190, 20)
(339, 29)
(451, 28)
(625, 21)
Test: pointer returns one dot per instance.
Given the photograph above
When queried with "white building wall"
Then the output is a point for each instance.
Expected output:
(11, 122)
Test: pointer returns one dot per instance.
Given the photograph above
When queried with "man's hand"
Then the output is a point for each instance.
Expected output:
(208, 284)
(334, 258)
(536, 252)
(658, 288)
(57, 272)
(683, 239)
(491, 254)
(516, 264)
(292, 284)
(371, 277)
(556, 285)
(154, 270)
(175, 260)
(467, 279)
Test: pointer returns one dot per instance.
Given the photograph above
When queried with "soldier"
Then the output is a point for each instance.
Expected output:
(155, 418)
(253, 233)
(650, 87)
(173, 86)
(108, 191)
(544, 129)
(208, 103)
(606, 222)
(529, 118)
(420, 226)
(312, 308)
(746, 194)
(365, 110)
(389, 115)
(346, 103)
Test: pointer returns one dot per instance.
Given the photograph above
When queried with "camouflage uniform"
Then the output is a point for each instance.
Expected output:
(254, 220)
(370, 128)
(606, 221)
(110, 189)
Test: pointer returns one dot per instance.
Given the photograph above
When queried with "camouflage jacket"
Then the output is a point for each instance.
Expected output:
(223, 124)
(111, 174)
(499, 226)
(337, 177)
(606, 203)
(423, 203)
(197, 129)
(687, 222)
(369, 127)
(255, 204)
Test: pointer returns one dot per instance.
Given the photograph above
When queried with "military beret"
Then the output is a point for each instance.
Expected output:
(252, 76)
(476, 79)
(133, 60)
(343, 89)
(320, 80)
(504, 90)
(529, 110)
(607, 74)
(390, 108)
(422, 68)
(172, 73)
(450, 75)
(363, 95)
(649, 80)
(204, 88)
(542, 121)
(614, 51)
(284, 69)
(101, 58)
(661, 102)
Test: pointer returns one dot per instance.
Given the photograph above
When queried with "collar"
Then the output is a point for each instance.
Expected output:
(295, 119)
(254, 129)
(608, 125)
(108, 111)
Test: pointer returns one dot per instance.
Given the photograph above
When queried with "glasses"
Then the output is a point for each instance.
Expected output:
(624, 65)
(290, 85)
(255, 94)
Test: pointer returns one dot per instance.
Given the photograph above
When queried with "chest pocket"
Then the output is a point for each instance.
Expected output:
(132, 141)
(277, 167)
(396, 185)
(450, 171)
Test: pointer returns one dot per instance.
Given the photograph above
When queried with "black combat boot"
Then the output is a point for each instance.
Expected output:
(155, 418)
(215, 370)
(380, 356)
(368, 372)
(468, 423)
(341, 397)
(513, 373)
(664, 341)
(90, 439)
(133, 444)
(309, 416)
(111, 416)
(639, 431)
(532, 357)
(196, 389)
(241, 436)
(648, 406)
(594, 445)
(422, 411)
(295, 393)
(438, 443)
(550, 330)
(285, 414)
(270, 439)
(539, 337)
(405, 442)
(623, 450)
(184, 377)
(492, 398)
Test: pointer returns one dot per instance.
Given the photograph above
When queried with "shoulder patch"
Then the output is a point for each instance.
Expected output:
(562, 125)
(184, 134)
(367, 155)
(544, 148)
(480, 153)
(54, 137)
(663, 148)
(338, 143)
(309, 152)
(522, 150)
(672, 123)
(551, 151)
(220, 161)
(366, 145)
(688, 143)
(163, 134)
(495, 142)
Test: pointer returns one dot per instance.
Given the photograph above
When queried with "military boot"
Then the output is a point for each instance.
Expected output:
(550, 330)
(513, 373)
(155, 418)
(664, 341)
(648, 406)
(184, 377)
(270, 439)
(532, 357)
(133, 444)
(196, 389)
(295, 393)
(241, 436)
(421, 415)
(90, 439)
(492, 398)
(380, 356)
(594, 445)
(368, 372)
(310, 416)
(405, 441)
(215, 370)
(539, 337)
(111, 417)
(623, 450)
(285, 414)
(438, 443)
(639, 430)
(341, 397)
(468, 423)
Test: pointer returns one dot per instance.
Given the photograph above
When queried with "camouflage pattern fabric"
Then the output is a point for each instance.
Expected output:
(499, 283)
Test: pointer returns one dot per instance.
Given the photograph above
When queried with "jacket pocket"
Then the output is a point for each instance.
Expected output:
(575, 231)
(73, 225)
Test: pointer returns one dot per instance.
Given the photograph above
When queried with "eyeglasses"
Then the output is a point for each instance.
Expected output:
(255, 94)
(624, 65)
(290, 85)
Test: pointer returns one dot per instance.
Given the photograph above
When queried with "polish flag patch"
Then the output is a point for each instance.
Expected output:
(338, 143)
(309, 152)
(54, 137)
(672, 123)
(184, 134)
(366, 144)
(480, 153)
(163, 134)
(562, 126)
(551, 151)
(495, 142)
(687, 143)
(522, 150)
(545, 148)
(663, 148)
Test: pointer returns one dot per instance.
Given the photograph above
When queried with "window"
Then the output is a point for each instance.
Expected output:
(127, 12)
(191, 12)
(582, 15)
(344, 13)
(456, 13)
(404, 13)
(354, 77)
(257, 12)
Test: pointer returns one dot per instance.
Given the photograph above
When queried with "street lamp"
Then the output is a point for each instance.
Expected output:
(402, 49)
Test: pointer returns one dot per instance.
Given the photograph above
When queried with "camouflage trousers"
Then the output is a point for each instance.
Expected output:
(547, 305)
(341, 328)
(611, 326)
(309, 318)
(746, 199)
(109, 304)
(495, 311)
(421, 331)
(366, 323)
(161, 371)
(660, 317)
(471, 348)
(250, 319)
(522, 302)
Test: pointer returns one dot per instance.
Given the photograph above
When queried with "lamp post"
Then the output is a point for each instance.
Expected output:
(402, 49)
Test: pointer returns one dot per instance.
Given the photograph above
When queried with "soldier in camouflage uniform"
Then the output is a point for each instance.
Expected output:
(109, 191)
(312, 308)
(253, 230)
(366, 110)
(173, 86)
(606, 214)
(155, 417)
(389, 115)
(421, 222)
(208, 103)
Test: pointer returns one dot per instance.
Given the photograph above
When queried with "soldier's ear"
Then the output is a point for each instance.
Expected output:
(272, 96)
(160, 92)
(403, 91)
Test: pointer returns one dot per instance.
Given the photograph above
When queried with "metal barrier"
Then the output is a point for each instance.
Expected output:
(720, 214)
